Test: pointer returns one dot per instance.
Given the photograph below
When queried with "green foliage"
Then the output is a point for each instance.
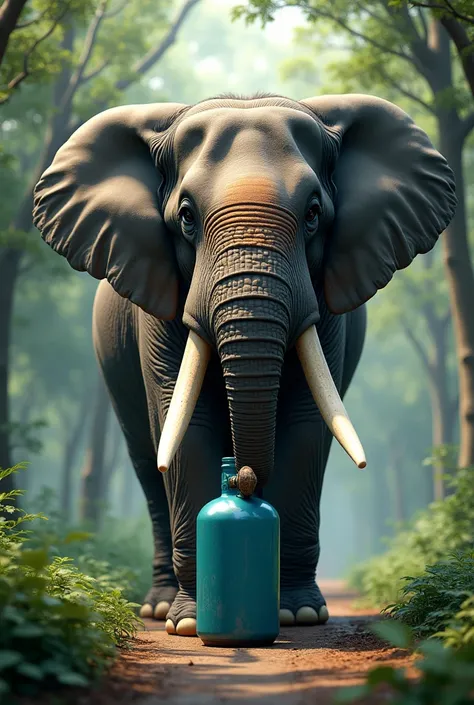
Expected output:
(117, 556)
(460, 629)
(445, 527)
(446, 675)
(431, 601)
(34, 49)
(58, 626)
(23, 435)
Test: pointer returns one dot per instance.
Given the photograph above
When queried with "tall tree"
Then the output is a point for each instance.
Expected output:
(94, 480)
(402, 48)
(71, 446)
(95, 69)
(10, 11)
(457, 17)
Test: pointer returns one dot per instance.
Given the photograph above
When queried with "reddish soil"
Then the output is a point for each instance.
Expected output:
(305, 665)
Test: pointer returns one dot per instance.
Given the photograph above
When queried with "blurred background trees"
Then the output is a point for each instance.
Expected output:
(414, 387)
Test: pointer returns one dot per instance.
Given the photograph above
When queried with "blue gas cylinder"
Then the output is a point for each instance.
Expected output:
(238, 568)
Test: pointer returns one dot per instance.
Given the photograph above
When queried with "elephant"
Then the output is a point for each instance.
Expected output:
(237, 241)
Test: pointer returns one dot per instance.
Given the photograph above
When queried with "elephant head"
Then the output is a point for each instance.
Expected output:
(251, 203)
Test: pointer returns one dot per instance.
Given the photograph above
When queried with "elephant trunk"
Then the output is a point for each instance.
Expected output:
(251, 296)
(251, 313)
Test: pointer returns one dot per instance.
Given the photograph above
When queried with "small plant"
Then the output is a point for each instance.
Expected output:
(430, 601)
(58, 626)
(446, 675)
(444, 528)
(460, 630)
(120, 555)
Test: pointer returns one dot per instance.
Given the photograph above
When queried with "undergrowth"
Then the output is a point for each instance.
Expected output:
(445, 674)
(442, 597)
(120, 554)
(58, 625)
(444, 528)
(427, 579)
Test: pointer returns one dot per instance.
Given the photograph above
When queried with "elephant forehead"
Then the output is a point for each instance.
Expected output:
(214, 133)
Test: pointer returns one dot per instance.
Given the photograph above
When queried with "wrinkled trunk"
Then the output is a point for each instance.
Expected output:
(251, 319)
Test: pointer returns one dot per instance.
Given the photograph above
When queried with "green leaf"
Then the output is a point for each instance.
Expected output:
(74, 679)
(352, 693)
(34, 582)
(9, 658)
(395, 633)
(29, 630)
(35, 558)
(31, 670)
(383, 674)
(77, 536)
(74, 610)
(433, 648)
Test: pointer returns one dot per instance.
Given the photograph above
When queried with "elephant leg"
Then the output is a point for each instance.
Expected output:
(302, 450)
(117, 353)
(192, 480)
(301, 455)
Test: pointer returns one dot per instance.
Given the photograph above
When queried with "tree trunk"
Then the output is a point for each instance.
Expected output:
(395, 477)
(114, 452)
(442, 426)
(459, 272)
(456, 252)
(71, 447)
(9, 263)
(10, 12)
(434, 359)
(92, 495)
(441, 402)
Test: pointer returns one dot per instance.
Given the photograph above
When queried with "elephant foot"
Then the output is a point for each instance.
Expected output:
(157, 602)
(302, 606)
(181, 619)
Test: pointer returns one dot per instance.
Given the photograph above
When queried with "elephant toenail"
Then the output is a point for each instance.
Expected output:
(287, 618)
(186, 627)
(323, 614)
(307, 615)
(146, 611)
(161, 610)
(169, 626)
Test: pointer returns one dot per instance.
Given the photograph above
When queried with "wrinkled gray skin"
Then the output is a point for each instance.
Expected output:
(245, 220)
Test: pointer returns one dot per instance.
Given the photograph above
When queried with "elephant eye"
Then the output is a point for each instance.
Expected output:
(187, 221)
(186, 216)
(311, 217)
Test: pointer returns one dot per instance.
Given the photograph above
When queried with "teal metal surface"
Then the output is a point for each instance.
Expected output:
(238, 568)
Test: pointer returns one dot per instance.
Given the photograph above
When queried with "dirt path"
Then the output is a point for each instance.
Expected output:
(306, 664)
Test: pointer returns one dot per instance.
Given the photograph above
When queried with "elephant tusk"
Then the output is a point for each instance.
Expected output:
(326, 396)
(185, 395)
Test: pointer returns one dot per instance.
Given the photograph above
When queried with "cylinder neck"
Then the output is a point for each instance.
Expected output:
(228, 469)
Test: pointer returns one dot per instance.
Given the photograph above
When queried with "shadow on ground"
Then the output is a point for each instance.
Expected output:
(306, 665)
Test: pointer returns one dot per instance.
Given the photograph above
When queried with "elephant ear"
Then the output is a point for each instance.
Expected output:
(97, 205)
(395, 195)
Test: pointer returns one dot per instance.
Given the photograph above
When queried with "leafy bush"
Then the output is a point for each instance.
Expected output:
(460, 630)
(58, 626)
(431, 601)
(120, 555)
(445, 527)
(446, 674)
